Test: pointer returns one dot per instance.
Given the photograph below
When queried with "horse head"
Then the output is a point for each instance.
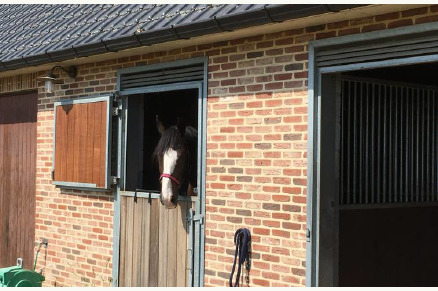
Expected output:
(172, 154)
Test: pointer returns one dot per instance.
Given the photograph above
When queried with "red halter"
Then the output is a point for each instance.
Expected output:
(175, 180)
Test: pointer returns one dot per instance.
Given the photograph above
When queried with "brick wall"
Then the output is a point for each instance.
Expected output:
(77, 224)
(257, 150)
(256, 160)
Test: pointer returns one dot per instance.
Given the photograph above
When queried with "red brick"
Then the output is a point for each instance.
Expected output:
(280, 251)
(274, 86)
(282, 77)
(274, 52)
(261, 265)
(271, 275)
(281, 215)
(361, 21)
(261, 231)
(290, 225)
(271, 223)
(260, 282)
(373, 27)
(338, 25)
(414, 12)
(400, 23)
(426, 19)
(254, 88)
(281, 233)
(299, 272)
(270, 258)
(228, 66)
(388, 16)
(325, 34)
(285, 41)
(291, 279)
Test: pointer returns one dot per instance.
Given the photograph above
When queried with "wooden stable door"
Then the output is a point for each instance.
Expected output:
(155, 243)
(18, 116)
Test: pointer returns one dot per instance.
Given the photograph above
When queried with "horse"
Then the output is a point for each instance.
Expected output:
(176, 153)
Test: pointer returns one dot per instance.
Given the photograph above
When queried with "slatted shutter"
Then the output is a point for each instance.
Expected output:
(161, 76)
(381, 50)
(82, 143)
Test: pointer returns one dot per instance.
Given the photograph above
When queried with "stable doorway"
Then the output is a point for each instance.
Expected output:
(379, 186)
(158, 246)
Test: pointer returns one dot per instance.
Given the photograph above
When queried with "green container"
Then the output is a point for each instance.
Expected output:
(19, 277)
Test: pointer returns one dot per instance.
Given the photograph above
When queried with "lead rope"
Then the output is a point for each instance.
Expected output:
(242, 240)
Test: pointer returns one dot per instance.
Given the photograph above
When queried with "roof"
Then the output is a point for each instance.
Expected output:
(37, 34)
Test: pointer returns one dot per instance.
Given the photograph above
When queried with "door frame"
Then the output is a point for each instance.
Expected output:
(317, 76)
(199, 221)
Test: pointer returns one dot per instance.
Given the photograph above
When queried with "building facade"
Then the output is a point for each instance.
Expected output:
(256, 155)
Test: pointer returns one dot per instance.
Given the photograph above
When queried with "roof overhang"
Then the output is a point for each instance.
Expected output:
(275, 19)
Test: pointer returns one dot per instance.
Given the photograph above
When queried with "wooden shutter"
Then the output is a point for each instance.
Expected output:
(82, 143)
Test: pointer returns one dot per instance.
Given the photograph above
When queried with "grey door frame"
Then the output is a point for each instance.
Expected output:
(316, 74)
(199, 221)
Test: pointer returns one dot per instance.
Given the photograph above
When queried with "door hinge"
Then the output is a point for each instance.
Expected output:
(199, 217)
(116, 111)
(115, 180)
(53, 174)
(308, 234)
(116, 96)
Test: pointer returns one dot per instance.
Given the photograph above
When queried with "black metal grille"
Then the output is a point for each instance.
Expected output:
(388, 143)
(379, 50)
(162, 76)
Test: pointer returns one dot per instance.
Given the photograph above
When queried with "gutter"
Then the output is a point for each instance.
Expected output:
(269, 14)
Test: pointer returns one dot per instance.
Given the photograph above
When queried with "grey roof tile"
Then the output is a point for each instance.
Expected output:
(30, 31)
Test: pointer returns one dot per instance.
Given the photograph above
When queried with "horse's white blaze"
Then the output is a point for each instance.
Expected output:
(169, 162)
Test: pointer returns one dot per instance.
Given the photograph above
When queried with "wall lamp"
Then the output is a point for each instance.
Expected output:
(51, 79)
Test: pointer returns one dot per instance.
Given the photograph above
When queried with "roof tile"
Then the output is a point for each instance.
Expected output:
(63, 31)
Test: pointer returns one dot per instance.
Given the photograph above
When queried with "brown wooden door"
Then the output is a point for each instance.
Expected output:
(18, 116)
(154, 243)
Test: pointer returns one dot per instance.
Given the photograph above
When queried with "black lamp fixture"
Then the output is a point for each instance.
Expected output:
(51, 79)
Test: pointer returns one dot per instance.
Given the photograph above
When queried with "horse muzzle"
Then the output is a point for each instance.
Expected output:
(170, 200)
(169, 204)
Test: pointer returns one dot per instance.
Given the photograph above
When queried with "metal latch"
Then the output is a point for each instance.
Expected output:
(195, 217)
(198, 217)
(19, 262)
(308, 234)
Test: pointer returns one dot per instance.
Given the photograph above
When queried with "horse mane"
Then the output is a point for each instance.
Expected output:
(172, 138)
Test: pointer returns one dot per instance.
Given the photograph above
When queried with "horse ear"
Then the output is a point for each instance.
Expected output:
(180, 124)
(160, 125)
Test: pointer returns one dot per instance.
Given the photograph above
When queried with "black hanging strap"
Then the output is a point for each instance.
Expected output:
(242, 240)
